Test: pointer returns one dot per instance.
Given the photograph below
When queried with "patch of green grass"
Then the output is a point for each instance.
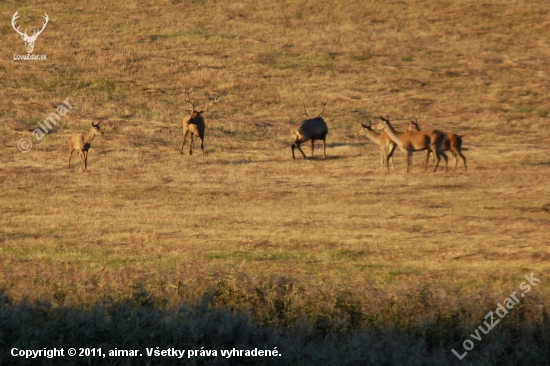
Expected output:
(525, 109)
(106, 85)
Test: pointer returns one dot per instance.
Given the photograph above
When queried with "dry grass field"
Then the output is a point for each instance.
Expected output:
(330, 260)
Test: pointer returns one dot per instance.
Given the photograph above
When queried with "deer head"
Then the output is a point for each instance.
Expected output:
(367, 127)
(385, 122)
(29, 41)
(96, 129)
(296, 136)
(413, 125)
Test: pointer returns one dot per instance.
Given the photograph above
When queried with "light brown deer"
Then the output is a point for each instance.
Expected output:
(311, 129)
(81, 142)
(413, 141)
(387, 146)
(452, 143)
(194, 123)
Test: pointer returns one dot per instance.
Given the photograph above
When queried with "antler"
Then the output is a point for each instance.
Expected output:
(324, 104)
(211, 105)
(188, 100)
(305, 110)
(35, 34)
(13, 19)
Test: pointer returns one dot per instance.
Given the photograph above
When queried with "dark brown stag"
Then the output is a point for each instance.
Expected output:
(194, 123)
(311, 129)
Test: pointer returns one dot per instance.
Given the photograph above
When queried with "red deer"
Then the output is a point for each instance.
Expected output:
(412, 141)
(311, 129)
(387, 146)
(194, 123)
(452, 143)
(81, 142)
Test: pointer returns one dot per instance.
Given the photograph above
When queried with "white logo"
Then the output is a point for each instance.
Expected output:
(29, 41)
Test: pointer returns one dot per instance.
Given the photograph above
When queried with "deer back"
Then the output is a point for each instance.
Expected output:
(417, 139)
(77, 140)
(449, 139)
(194, 123)
(452, 140)
(314, 128)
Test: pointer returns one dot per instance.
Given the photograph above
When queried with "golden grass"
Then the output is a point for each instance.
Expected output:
(247, 213)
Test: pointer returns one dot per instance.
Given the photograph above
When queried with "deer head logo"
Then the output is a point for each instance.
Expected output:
(29, 41)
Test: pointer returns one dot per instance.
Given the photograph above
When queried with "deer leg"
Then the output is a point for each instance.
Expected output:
(384, 160)
(459, 153)
(183, 143)
(427, 159)
(464, 160)
(455, 157)
(312, 146)
(324, 147)
(409, 160)
(81, 154)
(446, 160)
(299, 148)
(70, 154)
(85, 160)
(438, 154)
(191, 145)
(390, 156)
(202, 145)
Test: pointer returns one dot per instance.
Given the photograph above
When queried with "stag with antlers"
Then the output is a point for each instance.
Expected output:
(29, 41)
(194, 123)
(311, 129)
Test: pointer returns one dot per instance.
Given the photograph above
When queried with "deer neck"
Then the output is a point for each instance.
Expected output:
(393, 134)
(89, 137)
(373, 136)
